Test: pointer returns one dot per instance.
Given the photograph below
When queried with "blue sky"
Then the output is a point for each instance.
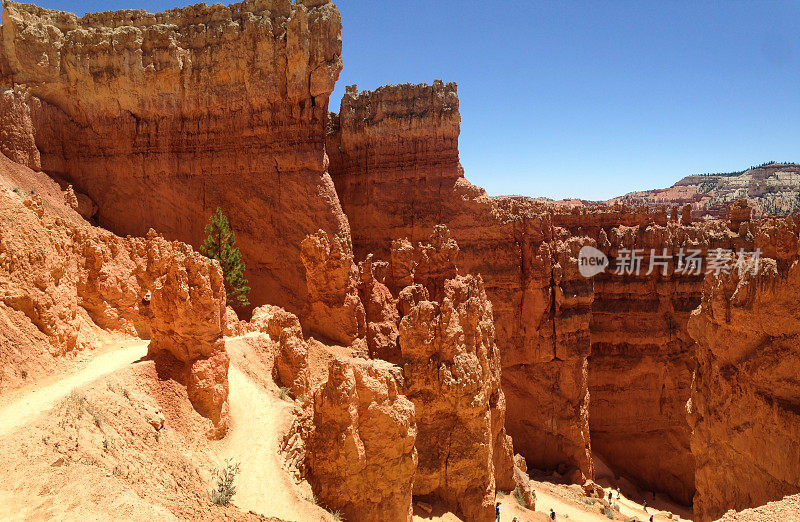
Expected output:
(584, 99)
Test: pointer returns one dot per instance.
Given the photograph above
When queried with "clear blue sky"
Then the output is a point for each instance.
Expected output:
(584, 99)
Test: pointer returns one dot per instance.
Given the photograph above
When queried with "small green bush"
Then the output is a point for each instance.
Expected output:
(609, 513)
(337, 516)
(520, 496)
(284, 393)
(225, 477)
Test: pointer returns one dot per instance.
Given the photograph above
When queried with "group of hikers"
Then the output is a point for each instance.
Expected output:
(553, 513)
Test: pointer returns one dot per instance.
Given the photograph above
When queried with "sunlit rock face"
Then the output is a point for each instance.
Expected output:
(160, 118)
(394, 160)
(744, 398)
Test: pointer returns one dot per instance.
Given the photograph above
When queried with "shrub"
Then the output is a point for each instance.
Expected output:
(519, 495)
(225, 490)
(284, 393)
(609, 513)
(337, 516)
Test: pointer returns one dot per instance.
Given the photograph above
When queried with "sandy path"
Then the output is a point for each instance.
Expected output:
(23, 405)
(258, 420)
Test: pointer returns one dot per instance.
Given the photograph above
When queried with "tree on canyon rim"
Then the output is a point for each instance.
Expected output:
(221, 245)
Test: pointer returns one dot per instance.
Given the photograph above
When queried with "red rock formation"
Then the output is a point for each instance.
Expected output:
(745, 394)
(291, 359)
(394, 159)
(361, 458)
(16, 130)
(334, 307)
(548, 317)
(452, 372)
(686, 215)
(188, 304)
(738, 213)
(61, 278)
(394, 188)
(159, 118)
(545, 370)
(642, 360)
(233, 326)
(381, 314)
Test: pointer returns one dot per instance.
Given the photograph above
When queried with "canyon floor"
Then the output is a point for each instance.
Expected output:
(80, 410)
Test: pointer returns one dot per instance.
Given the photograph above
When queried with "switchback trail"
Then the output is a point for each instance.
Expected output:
(24, 405)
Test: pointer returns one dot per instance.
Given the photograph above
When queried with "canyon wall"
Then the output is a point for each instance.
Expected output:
(602, 364)
(746, 395)
(394, 160)
(160, 118)
(642, 357)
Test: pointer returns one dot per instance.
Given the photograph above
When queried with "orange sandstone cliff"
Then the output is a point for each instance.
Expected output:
(160, 118)
(744, 402)
(394, 160)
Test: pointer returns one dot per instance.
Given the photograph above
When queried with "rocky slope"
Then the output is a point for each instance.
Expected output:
(63, 280)
(785, 509)
(160, 118)
(771, 189)
(744, 403)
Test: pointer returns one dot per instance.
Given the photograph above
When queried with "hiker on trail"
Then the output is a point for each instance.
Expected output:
(609, 496)
(644, 505)
(617, 492)
(497, 511)
(552, 514)
(651, 518)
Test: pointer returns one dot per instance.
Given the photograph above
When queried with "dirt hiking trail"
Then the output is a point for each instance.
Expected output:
(21, 406)
(259, 419)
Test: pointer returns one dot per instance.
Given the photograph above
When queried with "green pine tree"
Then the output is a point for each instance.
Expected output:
(221, 245)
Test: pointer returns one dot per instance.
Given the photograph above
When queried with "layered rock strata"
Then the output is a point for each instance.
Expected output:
(159, 118)
(394, 160)
(642, 359)
(548, 317)
(745, 394)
